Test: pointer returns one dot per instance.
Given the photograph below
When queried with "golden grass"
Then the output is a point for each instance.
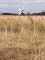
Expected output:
(22, 37)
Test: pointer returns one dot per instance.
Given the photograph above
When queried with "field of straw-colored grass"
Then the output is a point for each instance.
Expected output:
(22, 37)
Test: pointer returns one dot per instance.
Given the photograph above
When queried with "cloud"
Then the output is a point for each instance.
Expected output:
(30, 5)
(40, 1)
(22, 1)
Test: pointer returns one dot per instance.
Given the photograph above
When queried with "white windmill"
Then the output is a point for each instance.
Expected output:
(21, 11)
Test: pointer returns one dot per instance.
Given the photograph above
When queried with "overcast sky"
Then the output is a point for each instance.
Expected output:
(29, 5)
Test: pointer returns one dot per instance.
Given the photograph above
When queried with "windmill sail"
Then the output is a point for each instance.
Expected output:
(21, 10)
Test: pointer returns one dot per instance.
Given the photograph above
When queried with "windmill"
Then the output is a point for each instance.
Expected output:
(21, 11)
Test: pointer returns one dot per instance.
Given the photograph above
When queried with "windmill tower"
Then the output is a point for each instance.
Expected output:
(21, 11)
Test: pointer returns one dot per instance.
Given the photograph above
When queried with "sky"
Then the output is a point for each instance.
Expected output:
(13, 6)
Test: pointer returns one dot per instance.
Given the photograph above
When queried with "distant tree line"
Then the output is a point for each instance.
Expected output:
(9, 14)
(40, 13)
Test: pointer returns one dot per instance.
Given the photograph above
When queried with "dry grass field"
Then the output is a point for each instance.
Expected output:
(22, 37)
